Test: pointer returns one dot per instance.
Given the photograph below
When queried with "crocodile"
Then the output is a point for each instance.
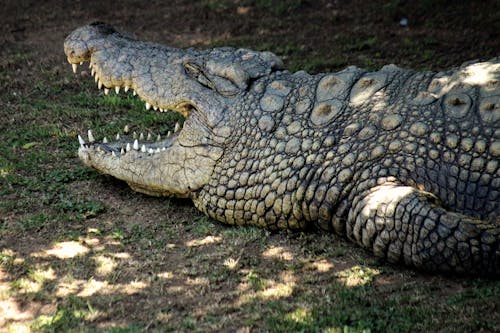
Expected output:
(404, 163)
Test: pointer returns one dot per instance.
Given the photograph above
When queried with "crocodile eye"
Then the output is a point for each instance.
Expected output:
(192, 69)
(195, 71)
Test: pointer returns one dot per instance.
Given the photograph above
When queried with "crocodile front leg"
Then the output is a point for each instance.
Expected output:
(404, 224)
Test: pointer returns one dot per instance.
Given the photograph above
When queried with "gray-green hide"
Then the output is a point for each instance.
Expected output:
(404, 163)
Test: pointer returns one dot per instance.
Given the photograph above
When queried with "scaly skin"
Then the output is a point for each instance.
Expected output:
(403, 163)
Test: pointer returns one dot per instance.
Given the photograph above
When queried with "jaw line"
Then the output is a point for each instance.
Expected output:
(145, 172)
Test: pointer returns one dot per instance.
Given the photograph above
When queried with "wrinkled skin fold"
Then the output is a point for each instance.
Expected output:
(403, 163)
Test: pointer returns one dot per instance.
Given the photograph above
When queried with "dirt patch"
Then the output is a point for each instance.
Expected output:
(82, 252)
(438, 34)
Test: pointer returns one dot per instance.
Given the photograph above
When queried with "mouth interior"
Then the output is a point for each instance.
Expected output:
(129, 141)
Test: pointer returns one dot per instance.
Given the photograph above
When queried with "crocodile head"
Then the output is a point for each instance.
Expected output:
(201, 85)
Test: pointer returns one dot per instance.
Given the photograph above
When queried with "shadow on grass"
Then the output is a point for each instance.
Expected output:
(174, 270)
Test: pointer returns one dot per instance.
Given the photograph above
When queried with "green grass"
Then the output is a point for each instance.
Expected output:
(33, 222)
(70, 314)
(356, 309)
(231, 278)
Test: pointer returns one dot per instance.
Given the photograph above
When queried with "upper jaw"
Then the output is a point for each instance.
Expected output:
(159, 97)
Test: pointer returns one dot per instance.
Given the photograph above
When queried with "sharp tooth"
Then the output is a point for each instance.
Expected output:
(149, 137)
(151, 151)
(148, 106)
(99, 84)
(80, 139)
(136, 145)
(96, 78)
(134, 93)
(117, 89)
(134, 135)
(106, 91)
(117, 136)
(122, 151)
(68, 60)
(105, 140)
(143, 148)
(75, 67)
(155, 108)
(126, 129)
(90, 64)
(113, 153)
(81, 63)
(169, 134)
(158, 138)
(157, 150)
(141, 137)
(177, 127)
(126, 88)
(91, 137)
(128, 146)
(92, 72)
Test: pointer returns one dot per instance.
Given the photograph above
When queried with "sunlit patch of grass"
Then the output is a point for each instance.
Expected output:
(281, 287)
(71, 313)
(204, 241)
(255, 280)
(6, 257)
(104, 265)
(64, 250)
(301, 316)
(278, 252)
(24, 285)
(357, 275)
(231, 263)
(5, 167)
(34, 284)
(256, 288)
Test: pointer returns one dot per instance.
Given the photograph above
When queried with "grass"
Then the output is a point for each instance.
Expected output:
(69, 315)
(80, 252)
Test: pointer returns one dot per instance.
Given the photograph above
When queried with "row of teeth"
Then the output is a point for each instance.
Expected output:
(94, 74)
(130, 145)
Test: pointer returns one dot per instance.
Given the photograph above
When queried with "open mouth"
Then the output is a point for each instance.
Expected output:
(128, 141)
